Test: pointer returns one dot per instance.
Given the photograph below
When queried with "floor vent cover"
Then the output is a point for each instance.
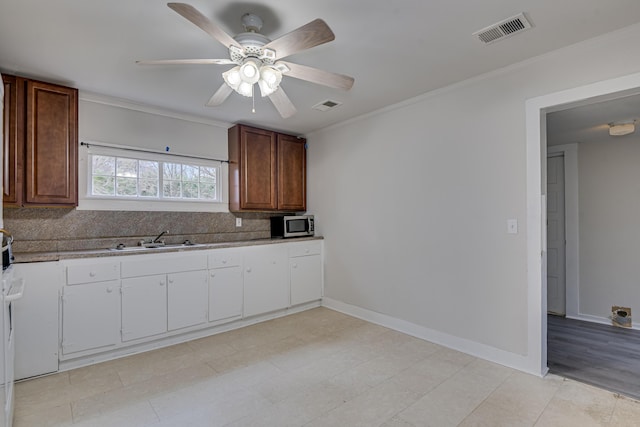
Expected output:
(508, 27)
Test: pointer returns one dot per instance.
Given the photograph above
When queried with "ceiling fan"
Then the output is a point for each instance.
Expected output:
(257, 59)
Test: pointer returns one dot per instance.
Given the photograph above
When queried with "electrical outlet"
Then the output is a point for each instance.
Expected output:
(238, 222)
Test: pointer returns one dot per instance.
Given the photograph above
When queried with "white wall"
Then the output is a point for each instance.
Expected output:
(609, 199)
(413, 200)
(108, 120)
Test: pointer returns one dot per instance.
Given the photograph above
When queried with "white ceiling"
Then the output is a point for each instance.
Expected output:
(395, 50)
(590, 123)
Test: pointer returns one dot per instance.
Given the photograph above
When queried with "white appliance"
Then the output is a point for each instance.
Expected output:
(12, 290)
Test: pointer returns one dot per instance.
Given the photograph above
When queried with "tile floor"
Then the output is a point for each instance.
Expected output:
(316, 368)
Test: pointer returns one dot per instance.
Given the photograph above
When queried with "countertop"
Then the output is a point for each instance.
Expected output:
(25, 257)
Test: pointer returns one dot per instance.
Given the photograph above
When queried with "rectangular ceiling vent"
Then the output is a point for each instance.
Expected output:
(501, 30)
(326, 105)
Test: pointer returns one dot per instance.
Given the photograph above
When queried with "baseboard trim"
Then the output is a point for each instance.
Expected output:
(483, 351)
(598, 319)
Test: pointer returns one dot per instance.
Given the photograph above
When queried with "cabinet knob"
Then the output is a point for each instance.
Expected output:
(170, 280)
(109, 290)
(224, 261)
(248, 270)
(295, 265)
(92, 274)
(306, 251)
(161, 283)
(213, 274)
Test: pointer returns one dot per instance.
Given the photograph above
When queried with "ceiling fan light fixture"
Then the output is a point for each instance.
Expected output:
(250, 71)
(270, 78)
(620, 129)
(232, 77)
(245, 89)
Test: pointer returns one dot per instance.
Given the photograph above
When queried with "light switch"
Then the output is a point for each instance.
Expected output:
(512, 226)
(238, 222)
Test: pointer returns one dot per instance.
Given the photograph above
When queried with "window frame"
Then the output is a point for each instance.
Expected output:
(87, 201)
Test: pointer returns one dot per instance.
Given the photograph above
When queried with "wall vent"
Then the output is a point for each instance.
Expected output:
(501, 30)
(326, 105)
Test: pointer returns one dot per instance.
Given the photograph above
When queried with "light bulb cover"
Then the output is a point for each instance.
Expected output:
(621, 129)
(232, 77)
(245, 89)
(250, 71)
(270, 78)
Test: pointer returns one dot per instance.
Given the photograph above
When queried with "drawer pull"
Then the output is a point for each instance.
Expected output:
(92, 274)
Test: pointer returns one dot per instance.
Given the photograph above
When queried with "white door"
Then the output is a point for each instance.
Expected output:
(188, 297)
(225, 293)
(265, 279)
(90, 316)
(556, 280)
(306, 278)
(144, 307)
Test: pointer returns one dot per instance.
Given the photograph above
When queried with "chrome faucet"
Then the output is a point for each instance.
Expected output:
(153, 243)
(159, 236)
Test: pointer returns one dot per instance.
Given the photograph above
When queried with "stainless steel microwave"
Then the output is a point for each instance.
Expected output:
(285, 226)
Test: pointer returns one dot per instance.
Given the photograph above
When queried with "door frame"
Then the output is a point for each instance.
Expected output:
(571, 226)
(536, 153)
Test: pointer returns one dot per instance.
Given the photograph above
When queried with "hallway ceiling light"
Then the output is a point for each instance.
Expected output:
(619, 129)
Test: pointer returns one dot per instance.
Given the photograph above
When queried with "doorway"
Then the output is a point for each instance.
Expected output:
(536, 111)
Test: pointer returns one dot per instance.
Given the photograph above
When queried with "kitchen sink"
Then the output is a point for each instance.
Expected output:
(154, 247)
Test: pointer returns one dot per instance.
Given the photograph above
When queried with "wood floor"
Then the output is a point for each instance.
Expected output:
(601, 355)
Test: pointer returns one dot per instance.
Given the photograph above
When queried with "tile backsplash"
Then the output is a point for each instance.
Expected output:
(56, 229)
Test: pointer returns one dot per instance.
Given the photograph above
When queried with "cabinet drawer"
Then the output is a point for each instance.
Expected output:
(146, 265)
(225, 258)
(90, 273)
(305, 248)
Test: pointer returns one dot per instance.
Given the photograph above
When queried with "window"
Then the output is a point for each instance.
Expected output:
(123, 177)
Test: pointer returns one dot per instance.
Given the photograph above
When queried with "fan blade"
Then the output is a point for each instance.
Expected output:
(312, 34)
(192, 14)
(315, 75)
(186, 61)
(282, 103)
(220, 96)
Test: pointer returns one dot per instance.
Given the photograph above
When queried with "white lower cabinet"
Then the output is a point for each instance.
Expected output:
(90, 316)
(265, 279)
(144, 306)
(187, 299)
(306, 278)
(111, 303)
(225, 293)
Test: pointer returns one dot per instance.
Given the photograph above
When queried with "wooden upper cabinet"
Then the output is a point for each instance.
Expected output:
(51, 145)
(267, 171)
(292, 173)
(12, 144)
(41, 145)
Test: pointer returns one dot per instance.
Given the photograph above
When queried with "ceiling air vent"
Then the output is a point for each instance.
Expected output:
(326, 105)
(508, 27)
